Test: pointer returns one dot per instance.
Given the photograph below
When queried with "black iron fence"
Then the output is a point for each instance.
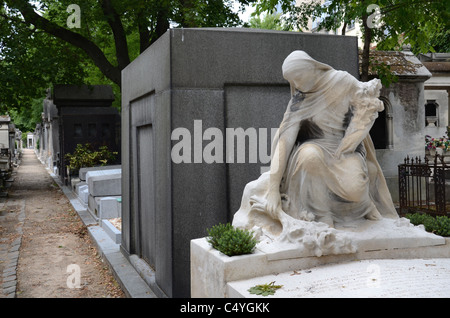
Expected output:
(422, 185)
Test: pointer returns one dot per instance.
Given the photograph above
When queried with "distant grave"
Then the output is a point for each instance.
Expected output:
(85, 116)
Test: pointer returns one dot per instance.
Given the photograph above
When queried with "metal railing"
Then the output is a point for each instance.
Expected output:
(422, 185)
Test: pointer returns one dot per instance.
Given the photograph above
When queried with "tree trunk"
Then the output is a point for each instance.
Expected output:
(120, 40)
(89, 47)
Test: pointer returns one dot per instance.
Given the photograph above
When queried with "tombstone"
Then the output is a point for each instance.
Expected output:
(85, 116)
(12, 138)
(18, 146)
(30, 140)
(50, 122)
(5, 146)
(212, 87)
(37, 138)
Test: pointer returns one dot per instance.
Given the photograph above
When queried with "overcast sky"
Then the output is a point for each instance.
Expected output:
(246, 15)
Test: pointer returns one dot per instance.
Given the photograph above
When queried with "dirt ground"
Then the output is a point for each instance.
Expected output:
(53, 239)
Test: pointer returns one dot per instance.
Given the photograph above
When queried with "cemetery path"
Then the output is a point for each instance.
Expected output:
(56, 257)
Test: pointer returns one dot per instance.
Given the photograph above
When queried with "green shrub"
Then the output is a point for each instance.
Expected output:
(216, 232)
(86, 156)
(231, 241)
(442, 226)
(417, 218)
(439, 225)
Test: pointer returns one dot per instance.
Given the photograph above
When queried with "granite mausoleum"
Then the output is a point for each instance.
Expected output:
(84, 115)
(194, 84)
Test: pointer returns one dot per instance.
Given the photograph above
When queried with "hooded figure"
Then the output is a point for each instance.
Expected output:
(323, 165)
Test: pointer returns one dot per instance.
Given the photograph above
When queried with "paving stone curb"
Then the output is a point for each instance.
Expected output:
(10, 259)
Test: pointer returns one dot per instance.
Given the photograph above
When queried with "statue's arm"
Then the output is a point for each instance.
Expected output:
(280, 157)
(365, 112)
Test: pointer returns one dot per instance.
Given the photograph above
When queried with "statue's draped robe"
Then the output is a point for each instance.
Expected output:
(332, 112)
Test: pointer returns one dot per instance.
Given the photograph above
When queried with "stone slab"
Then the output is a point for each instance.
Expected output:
(110, 207)
(73, 183)
(211, 270)
(104, 183)
(112, 231)
(77, 187)
(83, 171)
(93, 205)
(101, 172)
(83, 194)
(381, 278)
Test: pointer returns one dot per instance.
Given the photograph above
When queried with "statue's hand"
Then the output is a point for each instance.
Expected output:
(273, 206)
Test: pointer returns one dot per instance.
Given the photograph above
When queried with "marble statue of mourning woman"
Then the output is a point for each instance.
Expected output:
(323, 166)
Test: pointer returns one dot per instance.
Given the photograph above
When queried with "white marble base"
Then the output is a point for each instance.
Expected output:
(211, 270)
(375, 278)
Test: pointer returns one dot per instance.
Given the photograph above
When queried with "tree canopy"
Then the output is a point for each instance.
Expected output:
(388, 23)
(52, 41)
(270, 21)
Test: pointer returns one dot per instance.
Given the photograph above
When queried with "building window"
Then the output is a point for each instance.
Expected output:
(351, 25)
(431, 113)
(77, 130)
(106, 131)
(92, 130)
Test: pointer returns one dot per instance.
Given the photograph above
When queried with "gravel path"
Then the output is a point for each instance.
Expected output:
(45, 250)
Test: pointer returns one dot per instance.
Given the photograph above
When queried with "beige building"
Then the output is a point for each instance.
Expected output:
(437, 92)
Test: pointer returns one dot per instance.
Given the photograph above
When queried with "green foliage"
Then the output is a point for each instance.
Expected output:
(29, 62)
(86, 156)
(271, 21)
(440, 41)
(216, 232)
(38, 49)
(265, 289)
(26, 118)
(383, 72)
(419, 23)
(231, 241)
(439, 225)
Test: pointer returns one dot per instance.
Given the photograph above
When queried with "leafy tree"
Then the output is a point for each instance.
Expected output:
(39, 46)
(268, 22)
(440, 41)
(26, 118)
(407, 21)
(106, 24)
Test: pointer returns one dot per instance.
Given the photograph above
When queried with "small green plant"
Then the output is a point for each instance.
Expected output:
(86, 156)
(265, 289)
(439, 225)
(231, 241)
(216, 232)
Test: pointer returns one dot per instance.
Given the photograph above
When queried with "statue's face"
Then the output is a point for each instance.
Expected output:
(303, 71)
